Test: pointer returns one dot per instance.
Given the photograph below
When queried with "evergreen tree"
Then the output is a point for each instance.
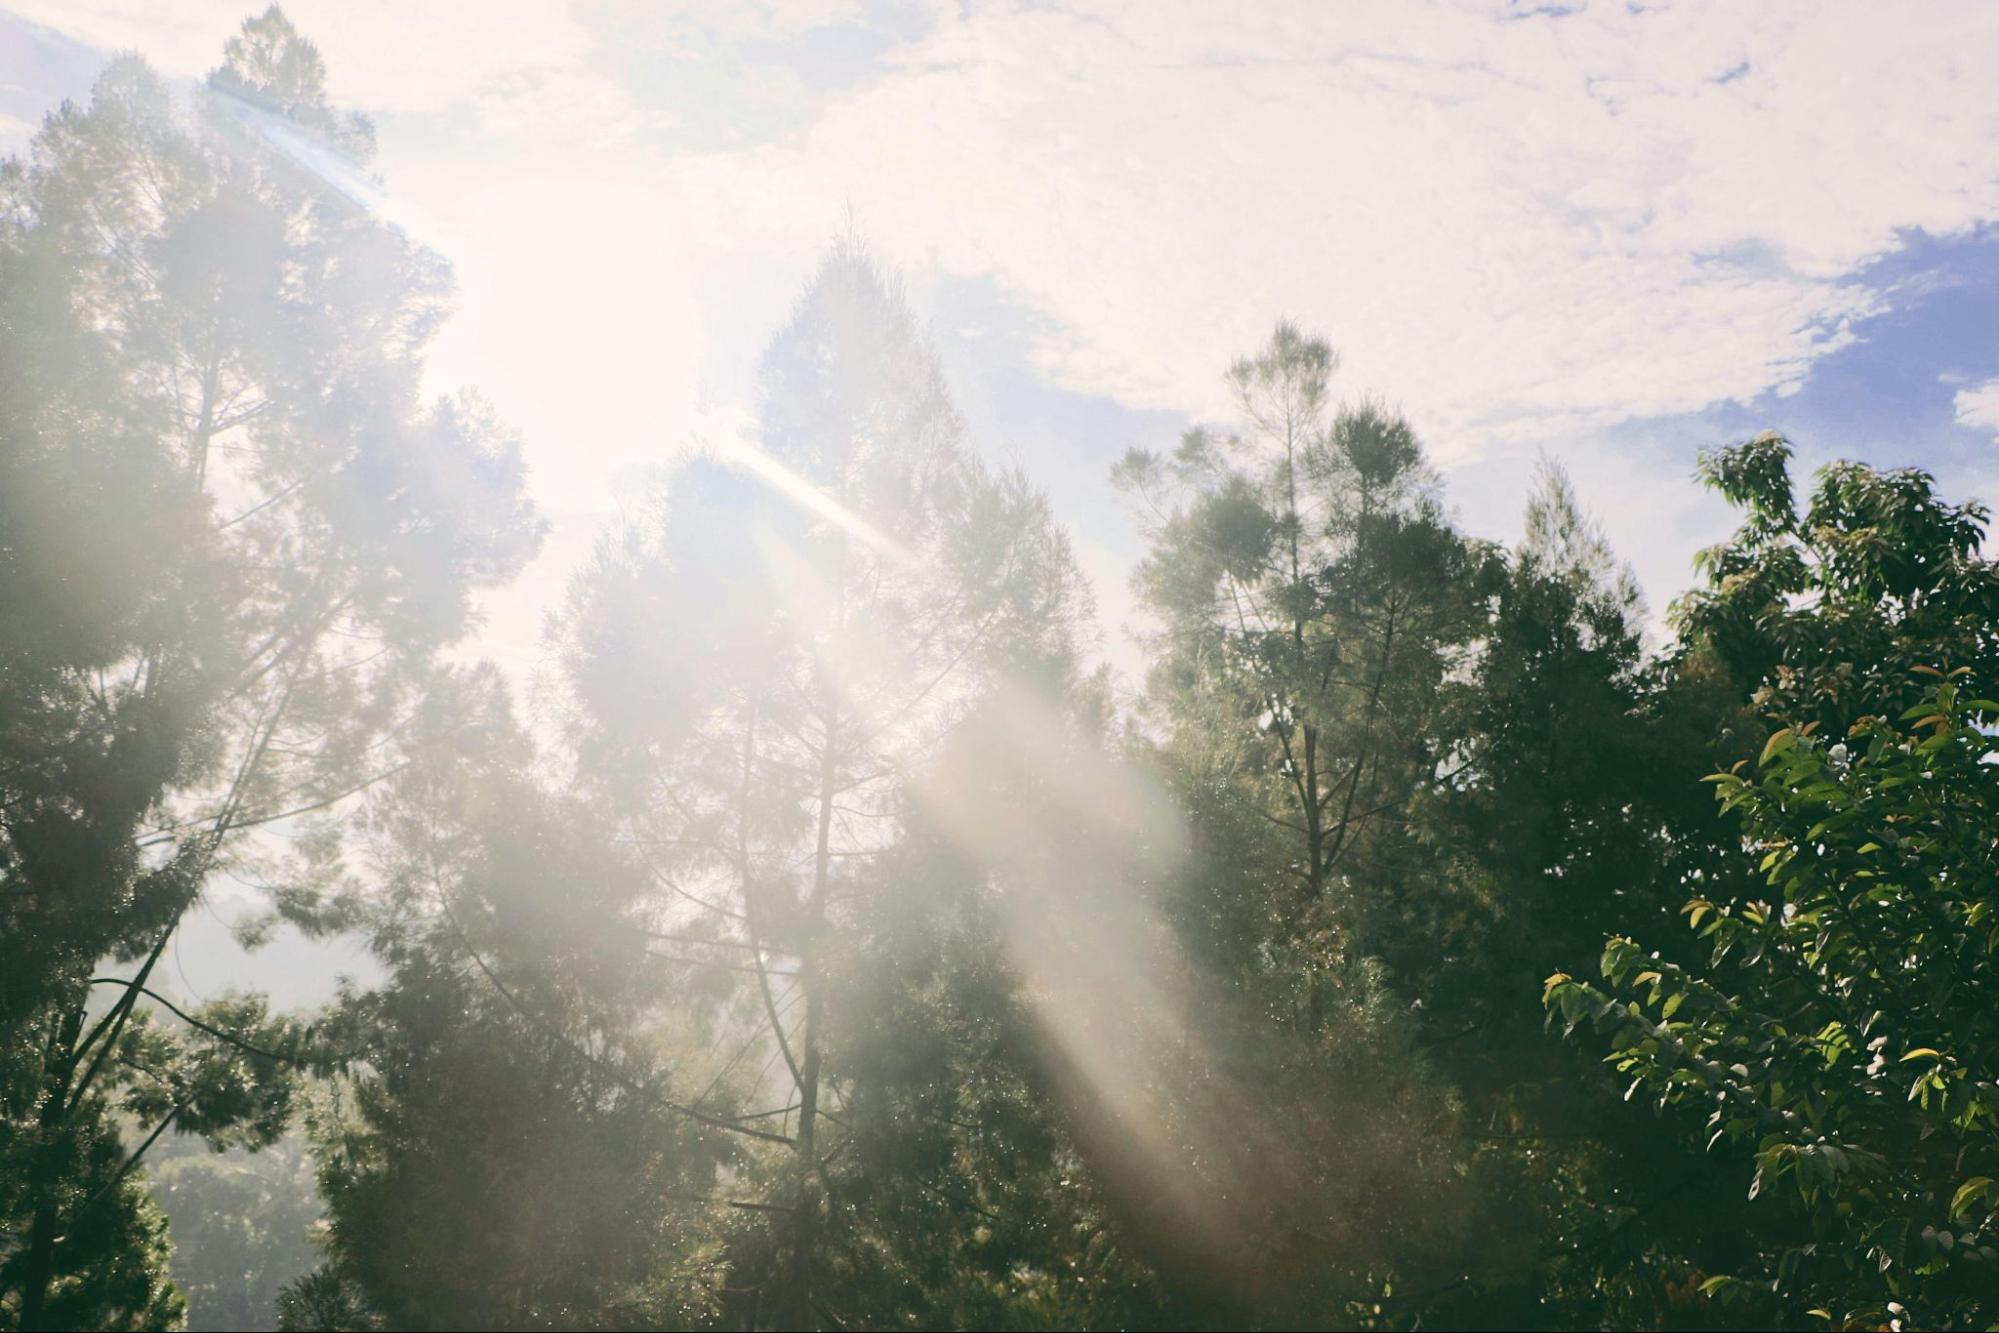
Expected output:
(231, 532)
(760, 675)
(1567, 817)
(1315, 601)
(510, 1153)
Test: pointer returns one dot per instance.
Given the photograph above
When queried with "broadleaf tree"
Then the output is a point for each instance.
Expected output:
(1833, 1030)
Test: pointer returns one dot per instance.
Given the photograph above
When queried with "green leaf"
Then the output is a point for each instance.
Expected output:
(1779, 740)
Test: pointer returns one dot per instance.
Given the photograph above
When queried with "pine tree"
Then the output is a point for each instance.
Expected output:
(231, 534)
(759, 673)
(510, 1151)
(1314, 601)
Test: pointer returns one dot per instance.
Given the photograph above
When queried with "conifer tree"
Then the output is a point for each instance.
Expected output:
(232, 534)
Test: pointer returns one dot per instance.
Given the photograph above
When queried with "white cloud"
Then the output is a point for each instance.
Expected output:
(1978, 408)
(563, 108)
(737, 21)
(1512, 227)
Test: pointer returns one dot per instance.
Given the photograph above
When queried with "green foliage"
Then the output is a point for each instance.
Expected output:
(867, 592)
(232, 535)
(1826, 615)
(510, 1076)
(1316, 603)
(1315, 599)
(110, 1270)
(1563, 814)
(1845, 933)
(1836, 1030)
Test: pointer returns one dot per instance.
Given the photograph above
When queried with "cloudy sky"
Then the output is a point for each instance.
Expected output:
(1611, 233)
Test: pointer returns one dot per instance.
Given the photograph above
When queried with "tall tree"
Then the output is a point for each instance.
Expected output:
(761, 673)
(1567, 817)
(231, 533)
(1313, 598)
(1841, 931)
(1823, 615)
(1314, 602)
(511, 1153)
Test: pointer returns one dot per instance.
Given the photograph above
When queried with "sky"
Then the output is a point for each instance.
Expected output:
(1607, 234)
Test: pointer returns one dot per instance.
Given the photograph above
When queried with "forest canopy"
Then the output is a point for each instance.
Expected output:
(1429, 939)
